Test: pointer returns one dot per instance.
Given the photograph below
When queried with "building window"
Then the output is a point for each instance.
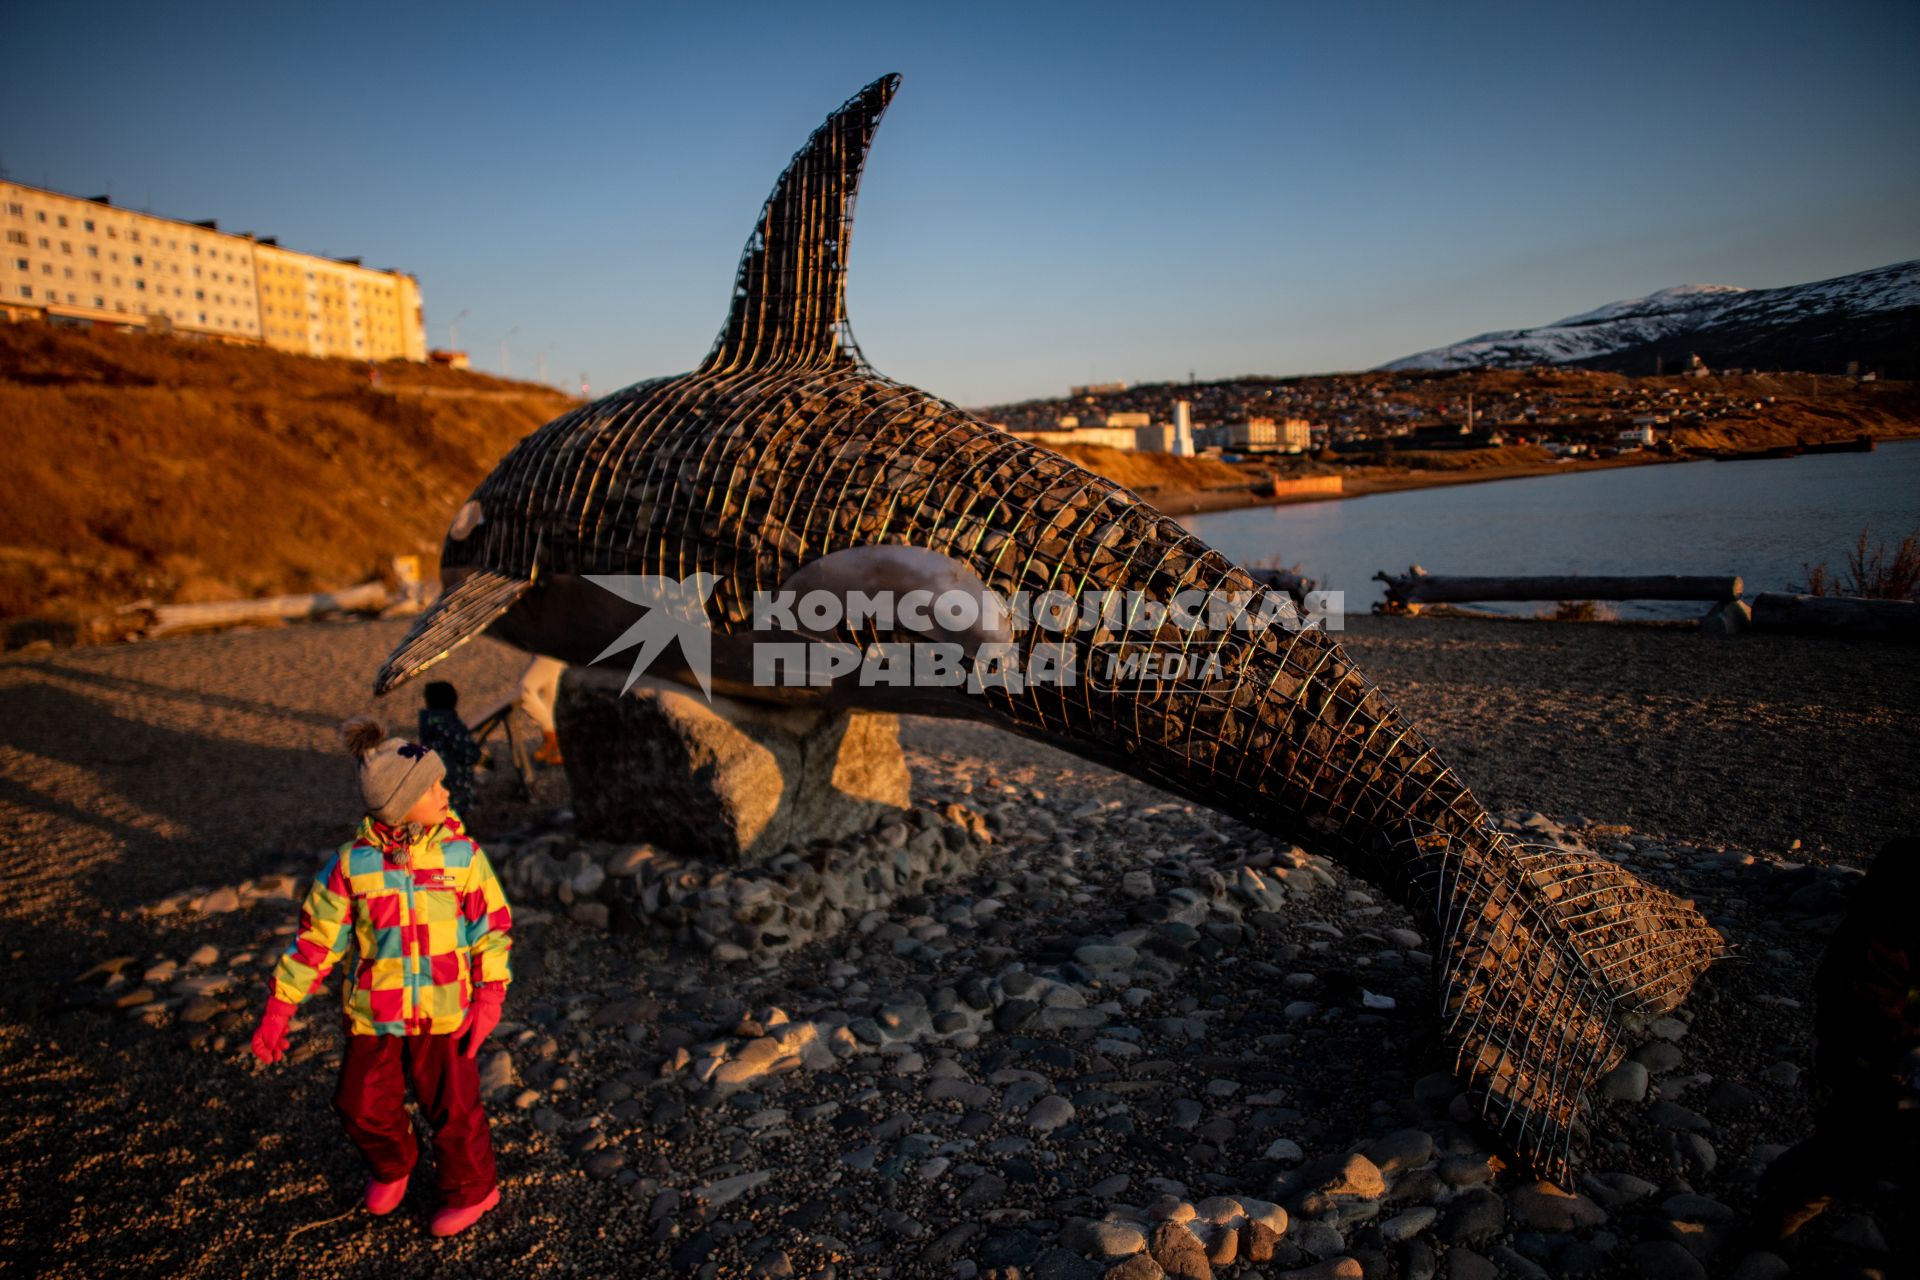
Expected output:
(66, 246)
(99, 301)
(40, 215)
(140, 285)
(63, 219)
(93, 251)
(139, 260)
(44, 244)
(16, 237)
(16, 210)
(26, 291)
(20, 263)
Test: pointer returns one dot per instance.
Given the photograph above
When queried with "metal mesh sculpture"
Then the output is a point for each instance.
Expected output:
(785, 447)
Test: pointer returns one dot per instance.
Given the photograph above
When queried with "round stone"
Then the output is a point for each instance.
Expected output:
(1049, 1113)
(1625, 1083)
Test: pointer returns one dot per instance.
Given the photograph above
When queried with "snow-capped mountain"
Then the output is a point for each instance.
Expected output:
(1871, 318)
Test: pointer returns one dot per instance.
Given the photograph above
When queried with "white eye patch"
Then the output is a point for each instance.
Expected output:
(466, 521)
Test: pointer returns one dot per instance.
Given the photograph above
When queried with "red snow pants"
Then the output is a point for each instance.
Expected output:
(372, 1100)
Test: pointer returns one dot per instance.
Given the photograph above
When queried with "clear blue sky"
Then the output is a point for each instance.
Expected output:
(1060, 193)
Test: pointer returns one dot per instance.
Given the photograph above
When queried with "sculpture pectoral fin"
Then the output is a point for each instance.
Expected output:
(927, 594)
(462, 612)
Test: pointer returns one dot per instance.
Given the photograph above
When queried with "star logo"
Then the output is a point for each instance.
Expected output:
(676, 610)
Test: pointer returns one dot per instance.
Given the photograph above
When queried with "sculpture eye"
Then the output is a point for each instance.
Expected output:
(466, 521)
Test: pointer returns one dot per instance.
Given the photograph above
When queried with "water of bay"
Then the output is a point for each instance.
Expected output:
(1764, 520)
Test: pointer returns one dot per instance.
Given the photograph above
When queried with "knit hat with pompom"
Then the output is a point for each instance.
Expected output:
(394, 773)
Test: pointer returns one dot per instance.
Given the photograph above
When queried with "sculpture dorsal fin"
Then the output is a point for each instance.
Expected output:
(790, 295)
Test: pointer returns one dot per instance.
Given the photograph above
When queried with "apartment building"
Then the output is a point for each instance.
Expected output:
(1291, 435)
(70, 260)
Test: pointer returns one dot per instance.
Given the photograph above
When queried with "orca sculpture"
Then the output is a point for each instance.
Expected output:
(784, 458)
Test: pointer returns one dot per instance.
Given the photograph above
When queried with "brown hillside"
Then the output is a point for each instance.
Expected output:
(1505, 458)
(154, 467)
(1147, 472)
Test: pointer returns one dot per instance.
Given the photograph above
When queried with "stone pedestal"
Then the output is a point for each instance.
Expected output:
(732, 783)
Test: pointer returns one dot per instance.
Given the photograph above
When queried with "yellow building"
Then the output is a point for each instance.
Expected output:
(75, 261)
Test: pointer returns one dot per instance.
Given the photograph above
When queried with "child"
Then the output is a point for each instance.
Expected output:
(447, 736)
(421, 902)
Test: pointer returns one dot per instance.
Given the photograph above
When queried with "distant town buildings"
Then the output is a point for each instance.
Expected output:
(79, 261)
(1105, 437)
(1156, 438)
(1375, 416)
(1264, 435)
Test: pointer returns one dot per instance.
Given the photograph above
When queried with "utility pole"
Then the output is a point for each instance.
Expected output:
(453, 330)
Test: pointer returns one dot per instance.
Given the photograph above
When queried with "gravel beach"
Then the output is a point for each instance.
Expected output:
(1139, 1040)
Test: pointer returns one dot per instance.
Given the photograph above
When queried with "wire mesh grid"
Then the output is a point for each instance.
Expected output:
(785, 447)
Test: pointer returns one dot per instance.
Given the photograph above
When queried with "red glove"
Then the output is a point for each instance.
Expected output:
(270, 1040)
(483, 1015)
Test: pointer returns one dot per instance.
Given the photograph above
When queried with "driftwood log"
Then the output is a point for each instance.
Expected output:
(368, 597)
(1842, 615)
(1286, 580)
(1417, 586)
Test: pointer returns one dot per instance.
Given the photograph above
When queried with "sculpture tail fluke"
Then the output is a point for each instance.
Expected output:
(1551, 960)
(462, 612)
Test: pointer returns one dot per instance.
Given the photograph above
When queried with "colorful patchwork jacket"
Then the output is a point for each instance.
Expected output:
(428, 920)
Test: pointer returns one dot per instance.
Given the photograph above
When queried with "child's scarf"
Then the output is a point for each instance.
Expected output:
(396, 840)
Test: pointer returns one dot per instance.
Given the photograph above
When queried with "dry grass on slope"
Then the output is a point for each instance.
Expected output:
(1153, 471)
(176, 470)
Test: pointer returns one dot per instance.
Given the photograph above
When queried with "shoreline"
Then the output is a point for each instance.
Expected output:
(1182, 502)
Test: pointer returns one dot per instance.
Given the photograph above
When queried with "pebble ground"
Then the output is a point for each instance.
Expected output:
(1153, 1057)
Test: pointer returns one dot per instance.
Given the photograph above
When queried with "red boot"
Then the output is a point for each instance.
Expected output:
(384, 1197)
(452, 1221)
